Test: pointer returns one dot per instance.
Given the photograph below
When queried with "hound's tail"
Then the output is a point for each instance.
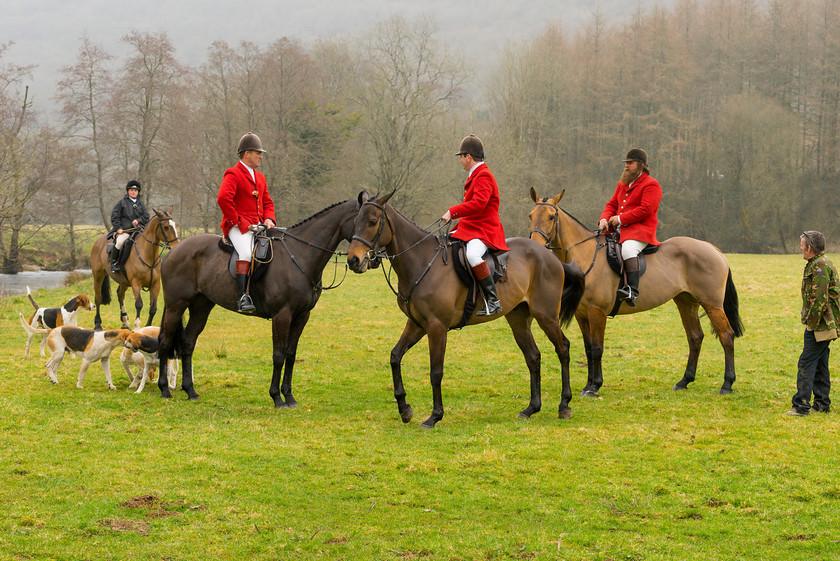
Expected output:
(29, 328)
(29, 293)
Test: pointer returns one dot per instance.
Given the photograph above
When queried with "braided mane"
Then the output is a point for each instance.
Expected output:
(320, 212)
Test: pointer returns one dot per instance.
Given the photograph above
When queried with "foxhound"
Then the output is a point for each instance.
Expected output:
(50, 318)
(141, 349)
(89, 345)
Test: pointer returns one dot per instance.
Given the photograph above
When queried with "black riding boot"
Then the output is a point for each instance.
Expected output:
(244, 304)
(114, 258)
(630, 292)
(485, 281)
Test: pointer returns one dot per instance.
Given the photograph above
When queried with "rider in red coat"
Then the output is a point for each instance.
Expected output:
(245, 202)
(479, 224)
(633, 207)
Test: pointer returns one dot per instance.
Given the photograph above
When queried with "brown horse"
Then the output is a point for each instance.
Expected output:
(432, 296)
(140, 270)
(196, 278)
(690, 272)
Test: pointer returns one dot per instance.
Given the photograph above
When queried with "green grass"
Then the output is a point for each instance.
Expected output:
(641, 473)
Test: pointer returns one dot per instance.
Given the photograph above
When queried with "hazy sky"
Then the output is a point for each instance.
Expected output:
(47, 32)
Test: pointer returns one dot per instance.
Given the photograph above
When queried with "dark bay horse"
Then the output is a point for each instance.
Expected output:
(690, 272)
(141, 269)
(432, 296)
(196, 278)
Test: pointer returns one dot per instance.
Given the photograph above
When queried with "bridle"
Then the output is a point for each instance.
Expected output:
(165, 244)
(373, 254)
(555, 218)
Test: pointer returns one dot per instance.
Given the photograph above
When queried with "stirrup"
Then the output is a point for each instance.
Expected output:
(627, 294)
(115, 268)
(245, 305)
(490, 308)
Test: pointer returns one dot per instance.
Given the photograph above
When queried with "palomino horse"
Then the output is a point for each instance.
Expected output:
(196, 278)
(431, 295)
(690, 272)
(140, 270)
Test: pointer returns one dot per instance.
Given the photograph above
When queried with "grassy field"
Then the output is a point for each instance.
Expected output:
(641, 473)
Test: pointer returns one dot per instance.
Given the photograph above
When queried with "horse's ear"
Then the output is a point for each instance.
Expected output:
(534, 196)
(364, 197)
(556, 199)
(385, 198)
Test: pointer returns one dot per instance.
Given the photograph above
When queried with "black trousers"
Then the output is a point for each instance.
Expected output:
(812, 376)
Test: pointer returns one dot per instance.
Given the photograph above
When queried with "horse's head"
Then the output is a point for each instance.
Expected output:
(372, 232)
(163, 228)
(545, 218)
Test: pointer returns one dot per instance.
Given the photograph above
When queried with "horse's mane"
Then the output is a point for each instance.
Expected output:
(320, 212)
(584, 226)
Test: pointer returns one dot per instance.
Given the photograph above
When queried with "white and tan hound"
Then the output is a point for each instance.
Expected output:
(141, 350)
(89, 345)
(50, 318)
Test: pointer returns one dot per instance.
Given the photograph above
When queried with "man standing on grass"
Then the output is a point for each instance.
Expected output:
(821, 316)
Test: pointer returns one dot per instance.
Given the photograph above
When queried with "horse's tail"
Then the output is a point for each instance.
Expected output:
(105, 291)
(573, 286)
(730, 306)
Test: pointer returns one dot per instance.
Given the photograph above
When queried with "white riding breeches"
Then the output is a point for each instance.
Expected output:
(631, 248)
(119, 241)
(243, 243)
(475, 252)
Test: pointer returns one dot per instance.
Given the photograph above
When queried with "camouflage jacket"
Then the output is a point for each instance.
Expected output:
(820, 294)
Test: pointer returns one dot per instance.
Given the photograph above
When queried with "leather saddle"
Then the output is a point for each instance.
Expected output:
(496, 261)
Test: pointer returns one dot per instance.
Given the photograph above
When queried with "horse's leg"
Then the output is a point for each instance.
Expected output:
(411, 334)
(551, 326)
(169, 332)
(688, 306)
(121, 288)
(199, 312)
(291, 354)
(280, 329)
(153, 296)
(437, 350)
(597, 322)
(138, 302)
(520, 323)
(726, 334)
(98, 279)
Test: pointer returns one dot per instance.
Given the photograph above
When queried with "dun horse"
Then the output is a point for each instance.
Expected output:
(196, 278)
(431, 295)
(140, 270)
(690, 272)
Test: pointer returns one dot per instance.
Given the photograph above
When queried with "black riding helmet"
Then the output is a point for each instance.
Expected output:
(133, 184)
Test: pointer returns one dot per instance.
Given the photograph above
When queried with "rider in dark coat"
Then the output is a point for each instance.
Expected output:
(128, 215)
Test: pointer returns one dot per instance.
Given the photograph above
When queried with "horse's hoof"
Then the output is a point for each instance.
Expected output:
(589, 393)
(565, 413)
(680, 386)
(407, 414)
(725, 391)
(165, 395)
(523, 415)
(193, 397)
(424, 426)
(286, 405)
(429, 423)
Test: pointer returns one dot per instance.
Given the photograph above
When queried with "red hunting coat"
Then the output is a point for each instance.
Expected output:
(478, 215)
(243, 201)
(636, 206)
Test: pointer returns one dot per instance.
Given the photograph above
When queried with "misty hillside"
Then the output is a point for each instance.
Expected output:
(47, 33)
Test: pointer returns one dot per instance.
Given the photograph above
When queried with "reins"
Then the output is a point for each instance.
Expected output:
(315, 285)
(374, 254)
(556, 235)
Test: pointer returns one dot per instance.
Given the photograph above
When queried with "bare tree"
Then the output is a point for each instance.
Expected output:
(143, 101)
(405, 89)
(18, 172)
(83, 91)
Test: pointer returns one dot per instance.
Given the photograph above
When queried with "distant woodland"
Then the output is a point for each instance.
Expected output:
(737, 104)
